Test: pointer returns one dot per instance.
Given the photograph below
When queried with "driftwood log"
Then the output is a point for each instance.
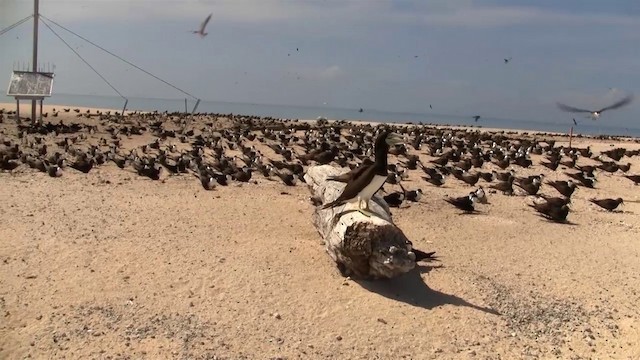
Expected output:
(362, 247)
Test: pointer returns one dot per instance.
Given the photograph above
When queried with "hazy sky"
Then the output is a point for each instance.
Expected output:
(376, 54)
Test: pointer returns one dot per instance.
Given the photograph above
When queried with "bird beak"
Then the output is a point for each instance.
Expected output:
(394, 139)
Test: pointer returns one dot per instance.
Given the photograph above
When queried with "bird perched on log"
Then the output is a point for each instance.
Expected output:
(368, 179)
(608, 204)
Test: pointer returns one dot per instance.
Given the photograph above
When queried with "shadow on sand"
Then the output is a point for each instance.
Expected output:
(409, 288)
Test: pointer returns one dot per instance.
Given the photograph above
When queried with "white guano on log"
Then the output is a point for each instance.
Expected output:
(362, 247)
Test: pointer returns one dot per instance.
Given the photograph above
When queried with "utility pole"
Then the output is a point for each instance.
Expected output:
(36, 16)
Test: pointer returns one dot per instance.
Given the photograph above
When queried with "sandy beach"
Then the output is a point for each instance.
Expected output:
(113, 265)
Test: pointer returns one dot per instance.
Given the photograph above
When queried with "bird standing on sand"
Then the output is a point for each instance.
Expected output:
(607, 204)
(202, 27)
(464, 203)
(366, 180)
(596, 114)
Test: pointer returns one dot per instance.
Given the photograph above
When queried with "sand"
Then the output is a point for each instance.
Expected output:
(113, 266)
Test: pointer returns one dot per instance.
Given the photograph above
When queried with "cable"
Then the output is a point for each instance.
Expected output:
(8, 28)
(81, 58)
(119, 58)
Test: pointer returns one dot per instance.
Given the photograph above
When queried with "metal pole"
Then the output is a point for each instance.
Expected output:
(124, 108)
(36, 18)
(185, 106)
(195, 107)
(18, 110)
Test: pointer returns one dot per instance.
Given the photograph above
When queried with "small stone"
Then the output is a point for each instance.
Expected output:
(437, 350)
(39, 317)
(277, 316)
(472, 352)
(382, 321)
(339, 338)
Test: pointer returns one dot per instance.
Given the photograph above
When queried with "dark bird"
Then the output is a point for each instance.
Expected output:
(530, 187)
(566, 188)
(412, 195)
(202, 27)
(506, 60)
(607, 204)
(208, 182)
(574, 121)
(555, 201)
(344, 178)
(550, 212)
(505, 186)
(596, 114)
(476, 118)
(634, 178)
(370, 178)
(464, 203)
(395, 199)
(54, 171)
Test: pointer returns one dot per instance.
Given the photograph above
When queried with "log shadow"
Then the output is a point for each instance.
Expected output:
(411, 289)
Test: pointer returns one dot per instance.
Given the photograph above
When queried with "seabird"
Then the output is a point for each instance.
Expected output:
(202, 27)
(634, 178)
(555, 201)
(608, 204)
(464, 203)
(565, 188)
(506, 60)
(596, 114)
(368, 179)
(476, 117)
(550, 212)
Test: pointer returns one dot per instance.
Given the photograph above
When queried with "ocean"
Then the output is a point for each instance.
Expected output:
(308, 112)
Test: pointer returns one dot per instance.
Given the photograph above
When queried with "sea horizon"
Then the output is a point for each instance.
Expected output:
(312, 112)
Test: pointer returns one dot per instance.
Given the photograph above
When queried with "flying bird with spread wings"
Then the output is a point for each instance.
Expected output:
(202, 27)
(596, 114)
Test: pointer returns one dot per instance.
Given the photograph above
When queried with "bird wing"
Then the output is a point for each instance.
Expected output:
(568, 108)
(205, 22)
(620, 103)
(351, 189)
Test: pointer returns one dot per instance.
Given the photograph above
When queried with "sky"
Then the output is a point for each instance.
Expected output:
(389, 55)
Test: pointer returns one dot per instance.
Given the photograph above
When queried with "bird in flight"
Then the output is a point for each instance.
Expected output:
(202, 27)
(507, 60)
(476, 117)
(596, 114)
(575, 122)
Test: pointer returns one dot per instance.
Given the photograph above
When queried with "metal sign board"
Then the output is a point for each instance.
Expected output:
(30, 84)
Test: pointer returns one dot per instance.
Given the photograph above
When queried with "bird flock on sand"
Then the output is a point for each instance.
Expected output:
(219, 149)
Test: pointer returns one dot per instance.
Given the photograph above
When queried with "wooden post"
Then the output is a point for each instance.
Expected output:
(41, 100)
(362, 247)
(570, 137)
(18, 110)
(185, 106)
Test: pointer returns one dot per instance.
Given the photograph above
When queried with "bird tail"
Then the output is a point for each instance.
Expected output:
(421, 255)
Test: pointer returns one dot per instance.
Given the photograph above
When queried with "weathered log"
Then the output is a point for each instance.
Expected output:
(362, 247)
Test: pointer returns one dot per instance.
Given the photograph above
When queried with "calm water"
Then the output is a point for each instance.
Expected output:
(305, 112)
